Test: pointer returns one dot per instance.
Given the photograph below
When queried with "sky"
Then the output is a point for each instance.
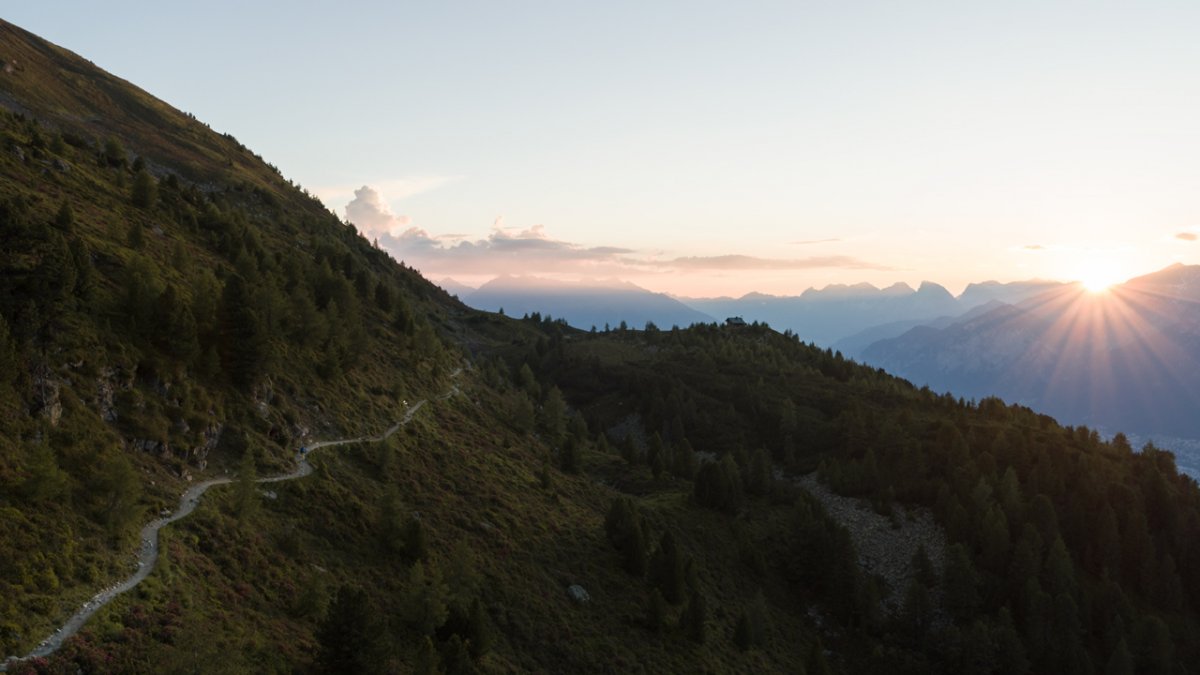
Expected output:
(702, 148)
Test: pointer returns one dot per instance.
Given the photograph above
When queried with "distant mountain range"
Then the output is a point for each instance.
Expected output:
(846, 317)
(1127, 359)
(840, 312)
(583, 304)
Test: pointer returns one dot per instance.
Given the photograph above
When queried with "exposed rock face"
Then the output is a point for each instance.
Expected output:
(885, 546)
(212, 436)
(263, 395)
(49, 400)
(107, 386)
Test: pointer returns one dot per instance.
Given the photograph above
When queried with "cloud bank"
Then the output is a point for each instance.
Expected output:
(503, 251)
(531, 251)
(1187, 236)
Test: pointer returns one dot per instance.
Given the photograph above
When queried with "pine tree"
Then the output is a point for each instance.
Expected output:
(46, 481)
(391, 526)
(425, 598)
(456, 658)
(348, 639)
(247, 496)
(917, 610)
(117, 488)
(741, 633)
(666, 569)
(245, 349)
(695, 618)
(114, 153)
(816, 663)
(960, 581)
(1121, 661)
(427, 661)
(9, 362)
(85, 271)
(64, 220)
(570, 455)
(656, 611)
(922, 566)
(176, 332)
(136, 237)
(415, 548)
(758, 473)
(479, 631)
(553, 417)
(144, 193)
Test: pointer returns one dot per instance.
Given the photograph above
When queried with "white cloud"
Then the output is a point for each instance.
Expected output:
(372, 216)
(394, 189)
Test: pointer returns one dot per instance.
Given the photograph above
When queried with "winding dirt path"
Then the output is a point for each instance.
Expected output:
(147, 554)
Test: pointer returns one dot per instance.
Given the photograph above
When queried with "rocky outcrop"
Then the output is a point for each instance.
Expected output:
(212, 436)
(578, 593)
(48, 391)
(110, 382)
(885, 545)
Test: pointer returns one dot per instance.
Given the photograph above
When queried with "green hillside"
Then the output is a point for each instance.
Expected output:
(172, 309)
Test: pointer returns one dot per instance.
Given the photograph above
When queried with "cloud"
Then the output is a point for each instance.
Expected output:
(1187, 236)
(806, 242)
(533, 251)
(1034, 247)
(372, 216)
(504, 251)
(746, 262)
(395, 188)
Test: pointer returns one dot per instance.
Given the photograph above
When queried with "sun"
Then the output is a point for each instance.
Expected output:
(1098, 276)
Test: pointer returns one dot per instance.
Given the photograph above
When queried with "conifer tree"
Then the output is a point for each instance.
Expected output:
(656, 611)
(570, 455)
(427, 661)
(136, 237)
(666, 569)
(247, 496)
(45, 481)
(425, 598)
(1121, 661)
(64, 219)
(144, 193)
(348, 639)
(245, 349)
(816, 663)
(960, 581)
(9, 362)
(695, 618)
(741, 633)
(414, 540)
(479, 631)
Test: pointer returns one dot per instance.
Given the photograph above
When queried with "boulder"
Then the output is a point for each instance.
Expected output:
(578, 593)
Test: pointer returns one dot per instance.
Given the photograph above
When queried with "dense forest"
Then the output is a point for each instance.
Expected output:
(171, 309)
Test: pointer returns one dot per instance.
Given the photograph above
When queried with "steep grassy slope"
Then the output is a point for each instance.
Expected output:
(172, 308)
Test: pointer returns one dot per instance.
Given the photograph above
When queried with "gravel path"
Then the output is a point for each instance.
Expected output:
(147, 554)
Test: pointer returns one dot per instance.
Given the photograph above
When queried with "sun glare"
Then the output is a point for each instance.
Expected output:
(1098, 277)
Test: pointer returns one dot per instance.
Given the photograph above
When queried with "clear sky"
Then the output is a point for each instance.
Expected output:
(702, 147)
